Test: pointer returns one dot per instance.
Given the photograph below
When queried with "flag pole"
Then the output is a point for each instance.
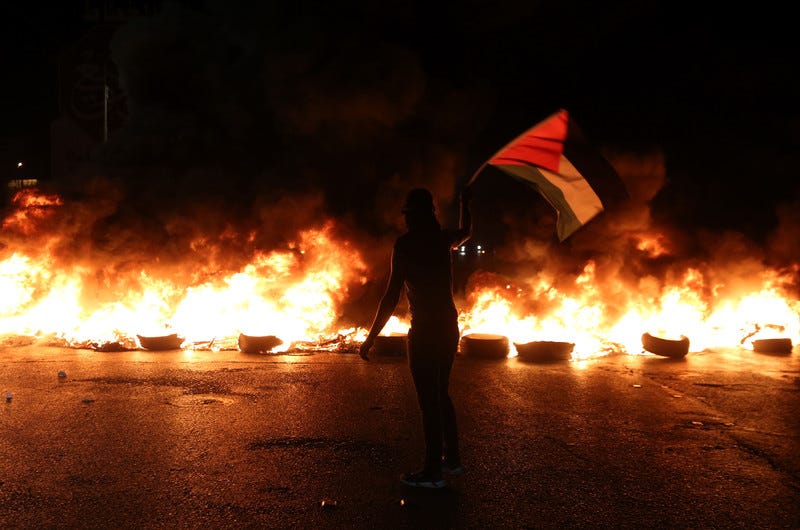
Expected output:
(475, 175)
(483, 166)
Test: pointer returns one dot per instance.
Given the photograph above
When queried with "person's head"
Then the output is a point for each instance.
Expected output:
(419, 209)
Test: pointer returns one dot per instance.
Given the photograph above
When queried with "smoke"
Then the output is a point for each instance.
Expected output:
(249, 124)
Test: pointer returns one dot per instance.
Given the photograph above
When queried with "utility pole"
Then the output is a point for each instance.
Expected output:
(105, 110)
(105, 100)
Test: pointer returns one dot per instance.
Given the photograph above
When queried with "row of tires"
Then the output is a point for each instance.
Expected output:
(247, 343)
(483, 345)
(497, 346)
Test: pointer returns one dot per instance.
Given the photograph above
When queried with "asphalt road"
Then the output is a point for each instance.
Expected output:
(228, 440)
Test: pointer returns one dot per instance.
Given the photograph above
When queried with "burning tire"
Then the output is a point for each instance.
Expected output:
(772, 345)
(159, 343)
(544, 351)
(258, 344)
(675, 348)
(484, 345)
(108, 346)
(393, 344)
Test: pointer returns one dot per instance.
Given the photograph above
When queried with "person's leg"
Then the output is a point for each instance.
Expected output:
(425, 376)
(451, 450)
(425, 373)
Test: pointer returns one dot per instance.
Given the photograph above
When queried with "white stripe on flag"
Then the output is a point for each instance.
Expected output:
(578, 193)
(573, 199)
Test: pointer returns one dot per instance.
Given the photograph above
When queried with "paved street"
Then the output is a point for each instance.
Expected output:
(227, 440)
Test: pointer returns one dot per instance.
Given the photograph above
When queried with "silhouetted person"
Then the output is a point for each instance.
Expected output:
(422, 262)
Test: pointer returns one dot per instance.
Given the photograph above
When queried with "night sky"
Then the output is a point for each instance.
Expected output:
(233, 107)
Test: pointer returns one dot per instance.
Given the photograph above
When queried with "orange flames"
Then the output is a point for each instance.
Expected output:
(31, 208)
(297, 294)
(294, 294)
(589, 320)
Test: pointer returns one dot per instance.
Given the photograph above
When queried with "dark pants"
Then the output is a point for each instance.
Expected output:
(431, 352)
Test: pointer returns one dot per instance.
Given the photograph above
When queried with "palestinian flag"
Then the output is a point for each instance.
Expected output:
(555, 158)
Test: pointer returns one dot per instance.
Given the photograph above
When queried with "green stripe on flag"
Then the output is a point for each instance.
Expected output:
(569, 194)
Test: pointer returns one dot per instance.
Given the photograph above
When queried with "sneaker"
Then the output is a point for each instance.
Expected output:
(454, 470)
(421, 479)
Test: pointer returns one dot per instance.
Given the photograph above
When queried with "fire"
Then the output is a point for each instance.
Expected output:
(556, 317)
(653, 246)
(294, 294)
(761, 315)
(31, 208)
(583, 317)
(297, 293)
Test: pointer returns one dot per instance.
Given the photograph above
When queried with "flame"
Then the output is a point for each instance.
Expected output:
(584, 317)
(31, 209)
(294, 294)
(298, 292)
(652, 245)
(567, 318)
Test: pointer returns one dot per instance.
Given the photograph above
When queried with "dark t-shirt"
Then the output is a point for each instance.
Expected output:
(424, 261)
